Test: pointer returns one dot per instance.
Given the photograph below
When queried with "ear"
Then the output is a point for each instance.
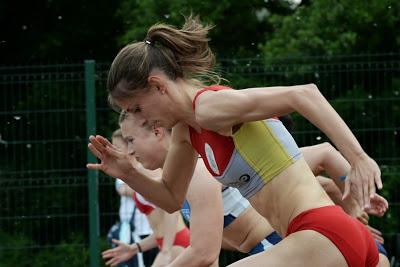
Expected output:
(158, 81)
(159, 132)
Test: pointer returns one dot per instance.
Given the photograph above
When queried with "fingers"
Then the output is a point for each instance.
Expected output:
(118, 242)
(379, 205)
(381, 200)
(374, 230)
(365, 217)
(380, 239)
(378, 179)
(371, 187)
(365, 194)
(103, 141)
(113, 262)
(346, 192)
(99, 146)
(109, 253)
(114, 152)
(94, 166)
(95, 152)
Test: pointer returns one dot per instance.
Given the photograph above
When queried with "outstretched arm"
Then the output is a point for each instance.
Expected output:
(170, 189)
(221, 110)
(324, 157)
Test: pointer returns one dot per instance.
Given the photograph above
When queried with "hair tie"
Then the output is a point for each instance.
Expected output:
(149, 42)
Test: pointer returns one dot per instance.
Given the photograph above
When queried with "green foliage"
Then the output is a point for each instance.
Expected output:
(18, 250)
(326, 27)
(12, 252)
(67, 254)
(238, 28)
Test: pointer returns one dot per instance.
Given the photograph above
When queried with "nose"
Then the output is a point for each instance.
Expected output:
(131, 150)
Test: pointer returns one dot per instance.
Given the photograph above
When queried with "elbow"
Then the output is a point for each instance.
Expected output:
(206, 254)
(311, 89)
(328, 148)
(329, 153)
(207, 258)
(307, 94)
(173, 207)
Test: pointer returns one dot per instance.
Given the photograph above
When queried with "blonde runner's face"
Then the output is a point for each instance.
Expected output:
(142, 142)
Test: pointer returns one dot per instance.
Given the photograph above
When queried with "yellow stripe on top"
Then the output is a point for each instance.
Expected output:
(261, 148)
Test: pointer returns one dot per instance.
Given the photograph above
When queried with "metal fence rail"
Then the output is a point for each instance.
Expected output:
(44, 208)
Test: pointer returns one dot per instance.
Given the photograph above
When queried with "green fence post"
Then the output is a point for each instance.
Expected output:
(92, 175)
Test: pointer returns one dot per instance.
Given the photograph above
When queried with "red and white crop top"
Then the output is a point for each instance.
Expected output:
(142, 204)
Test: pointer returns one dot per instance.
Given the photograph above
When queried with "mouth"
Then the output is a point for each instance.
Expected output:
(137, 158)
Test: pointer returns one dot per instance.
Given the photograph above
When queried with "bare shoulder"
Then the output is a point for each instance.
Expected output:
(220, 110)
(212, 99)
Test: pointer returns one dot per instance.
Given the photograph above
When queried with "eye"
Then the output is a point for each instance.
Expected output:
(136, 109)
(129, 139)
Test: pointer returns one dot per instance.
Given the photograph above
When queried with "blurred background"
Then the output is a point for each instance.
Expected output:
(54, 57)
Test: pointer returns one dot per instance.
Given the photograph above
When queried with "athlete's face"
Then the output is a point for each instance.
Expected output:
(143, 143)
(119, 143)
(152, 104)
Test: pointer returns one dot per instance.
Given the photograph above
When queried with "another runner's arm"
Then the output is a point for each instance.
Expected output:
(206, 221)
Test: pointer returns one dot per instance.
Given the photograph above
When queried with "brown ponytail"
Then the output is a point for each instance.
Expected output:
(179, 53)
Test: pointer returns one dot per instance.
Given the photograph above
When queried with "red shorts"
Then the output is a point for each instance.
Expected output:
(182, 238)
(349, 235)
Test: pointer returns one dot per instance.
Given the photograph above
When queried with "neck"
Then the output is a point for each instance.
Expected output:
(187, 94)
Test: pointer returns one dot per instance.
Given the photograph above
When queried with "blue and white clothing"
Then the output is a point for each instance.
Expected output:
(234, 205)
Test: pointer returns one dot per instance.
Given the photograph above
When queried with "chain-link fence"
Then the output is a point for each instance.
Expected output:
(45, 117)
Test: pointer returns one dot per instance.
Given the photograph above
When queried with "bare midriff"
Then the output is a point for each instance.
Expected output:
(288, 194)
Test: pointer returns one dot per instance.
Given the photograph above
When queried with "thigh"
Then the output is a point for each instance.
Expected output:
(303, 248)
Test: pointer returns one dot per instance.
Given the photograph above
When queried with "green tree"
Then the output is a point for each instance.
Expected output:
(327, 27)
(240, 25)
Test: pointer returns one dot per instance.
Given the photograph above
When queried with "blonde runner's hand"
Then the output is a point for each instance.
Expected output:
(123, 252)
(352, 208)
(112, 161)
(363, 176)
(376, 234)
(378, 206)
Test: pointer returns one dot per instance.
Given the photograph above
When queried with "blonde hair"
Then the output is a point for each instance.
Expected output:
(117, 134)
(124, 116)
(179, 53)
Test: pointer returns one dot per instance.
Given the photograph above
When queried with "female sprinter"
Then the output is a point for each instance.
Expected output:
(244, 229)
(169, 231)
(157, 80)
